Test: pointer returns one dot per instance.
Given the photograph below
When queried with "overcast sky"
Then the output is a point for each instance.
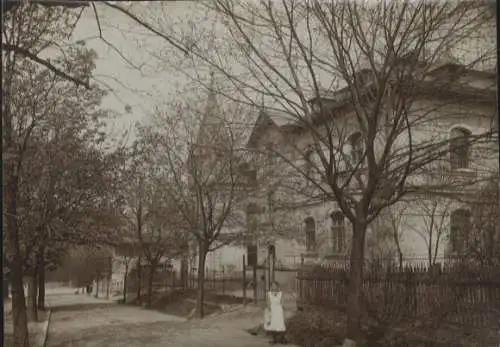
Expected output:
(150, 71)
(136, 79)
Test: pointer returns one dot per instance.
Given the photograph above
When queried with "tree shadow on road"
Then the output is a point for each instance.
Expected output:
(82, 307)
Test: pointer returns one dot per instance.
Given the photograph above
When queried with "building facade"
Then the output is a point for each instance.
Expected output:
(433, 222)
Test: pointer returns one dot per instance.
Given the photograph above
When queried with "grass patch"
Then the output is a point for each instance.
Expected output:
(182, 302)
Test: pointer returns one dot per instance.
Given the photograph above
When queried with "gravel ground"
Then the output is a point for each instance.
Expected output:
(101, 325)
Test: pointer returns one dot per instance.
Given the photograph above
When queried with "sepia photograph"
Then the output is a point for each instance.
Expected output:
(246, 173)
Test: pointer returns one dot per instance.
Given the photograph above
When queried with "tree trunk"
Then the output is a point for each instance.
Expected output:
(32, 294)
(5, 287)
(108, 286)
(354, 303)
(125, 277)
(202, 254)
(398, 246)
(429, 255)
(19, 314)
(97, 287)
(151, 274)
(41, 281)
(184, 271)
(139, 280)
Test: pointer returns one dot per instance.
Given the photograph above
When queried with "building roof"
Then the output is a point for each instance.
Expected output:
(269, 117)
(445, 71)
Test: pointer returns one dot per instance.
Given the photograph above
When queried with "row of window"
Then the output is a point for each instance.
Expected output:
(459, 149)
(337, 230)
(460, 227)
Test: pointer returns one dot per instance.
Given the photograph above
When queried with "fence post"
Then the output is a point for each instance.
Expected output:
(107, 287)
(223, 280)
(214, 280)
(244, 281)
(191, 279)
(173, 280)
(301, 289)
(255, 286)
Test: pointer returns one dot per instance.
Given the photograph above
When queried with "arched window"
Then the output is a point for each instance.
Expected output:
(338, 231)
(459, 148)
(310, 227)
(460, 226)
(357, 147)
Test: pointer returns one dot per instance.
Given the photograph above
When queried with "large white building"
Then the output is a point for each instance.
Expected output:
(433, 223)
(429, 224)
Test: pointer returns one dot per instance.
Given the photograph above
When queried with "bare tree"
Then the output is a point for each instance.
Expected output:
(201, 175)
(434, 214)
(354, 76)
(483, 242)
(160, 238)
(157, 232)
(395, 220)
(135, 211)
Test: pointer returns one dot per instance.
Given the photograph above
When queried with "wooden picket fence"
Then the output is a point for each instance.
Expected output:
(221, 281)
(465, 296)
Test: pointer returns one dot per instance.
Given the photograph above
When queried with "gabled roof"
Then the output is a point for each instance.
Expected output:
(266, 119)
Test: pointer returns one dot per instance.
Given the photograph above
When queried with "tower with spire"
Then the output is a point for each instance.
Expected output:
(213, 136)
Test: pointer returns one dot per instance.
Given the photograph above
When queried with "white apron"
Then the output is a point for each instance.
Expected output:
(274, 319)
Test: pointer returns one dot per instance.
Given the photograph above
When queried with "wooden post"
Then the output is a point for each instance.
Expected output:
(214, 280)
(173, 280)
(255, 285)
(244, 281)
(97, 287)
(108, 283)
(268, 286)
(301, 289)
(223, 279)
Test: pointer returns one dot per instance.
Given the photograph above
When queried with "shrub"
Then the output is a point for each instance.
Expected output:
(316, 328)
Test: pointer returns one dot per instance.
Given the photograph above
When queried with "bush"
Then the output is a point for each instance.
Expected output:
(326, 328)
(316, 329)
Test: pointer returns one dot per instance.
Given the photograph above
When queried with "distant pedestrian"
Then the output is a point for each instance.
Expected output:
(274, 318)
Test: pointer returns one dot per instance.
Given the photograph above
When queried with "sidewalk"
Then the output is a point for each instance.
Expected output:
(37, 330)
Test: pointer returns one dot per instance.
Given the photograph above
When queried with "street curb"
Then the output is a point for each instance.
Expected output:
(45, 334)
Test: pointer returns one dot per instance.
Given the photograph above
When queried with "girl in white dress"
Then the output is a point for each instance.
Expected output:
(274, 319)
